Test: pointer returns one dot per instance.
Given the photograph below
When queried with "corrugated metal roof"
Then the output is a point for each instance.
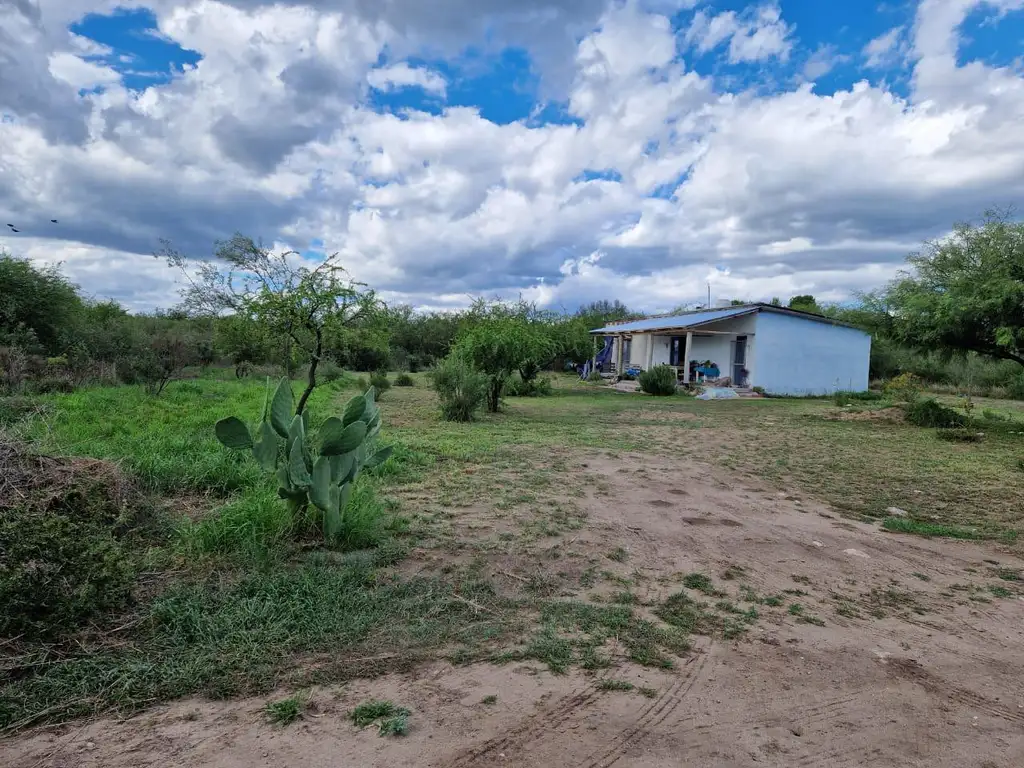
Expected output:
(687, 320)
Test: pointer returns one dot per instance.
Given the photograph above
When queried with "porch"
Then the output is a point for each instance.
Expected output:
(697, 356)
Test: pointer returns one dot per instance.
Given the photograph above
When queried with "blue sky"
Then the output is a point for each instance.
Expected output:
(564, 150)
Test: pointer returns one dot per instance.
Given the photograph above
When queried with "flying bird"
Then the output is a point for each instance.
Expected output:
(11, 226)
(15, 230)
(54, 221)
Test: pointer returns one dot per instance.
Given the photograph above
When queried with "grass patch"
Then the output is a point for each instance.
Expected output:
(618, 554)
(241, 637)
(286, 711)
(648, 692)
(609, 684)
(574, 633)
(922, 528)
(390, 719)
(489, 700)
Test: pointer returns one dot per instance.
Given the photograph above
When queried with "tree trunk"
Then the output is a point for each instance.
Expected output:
(314, 361)
(494, 395)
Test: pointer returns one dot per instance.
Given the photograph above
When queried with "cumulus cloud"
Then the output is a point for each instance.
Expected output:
(401, 75)
(656, 179)
(884, 50)
(754, 35)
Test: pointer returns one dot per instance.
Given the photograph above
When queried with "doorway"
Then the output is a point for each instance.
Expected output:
(739, 362)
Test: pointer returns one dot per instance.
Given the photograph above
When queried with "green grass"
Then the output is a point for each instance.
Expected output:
(699, 581)
(491, 699)
(619, 555)
(574, 633)
(609, 684)
(285, 711)
(244, 636)
(234, 607)
(390, 719)
(922, 528)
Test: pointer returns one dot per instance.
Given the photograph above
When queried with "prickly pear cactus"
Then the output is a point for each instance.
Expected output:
(322, 477)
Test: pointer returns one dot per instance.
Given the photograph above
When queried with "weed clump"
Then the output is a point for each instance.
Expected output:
(65, 554)
(930, 413)
(390, 719)
(404, 380)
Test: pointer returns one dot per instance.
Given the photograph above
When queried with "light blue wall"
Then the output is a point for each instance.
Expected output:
(794, 356)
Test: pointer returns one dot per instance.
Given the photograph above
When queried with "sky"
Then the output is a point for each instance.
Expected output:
(561, 151)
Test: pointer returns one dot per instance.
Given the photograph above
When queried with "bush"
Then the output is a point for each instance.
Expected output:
(460, 388)
(539, 387)
(929, 413)
(595, 377)
(404, 380)
(660, 380)
(64, 549)
(330, 371)
(1015, 388)
(904, 388)
(379, 381)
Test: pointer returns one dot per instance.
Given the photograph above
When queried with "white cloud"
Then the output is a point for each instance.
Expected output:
(754, 35)
(884, 50)
(762, 194)
(80, 73)
(824, 59)
(401, 75)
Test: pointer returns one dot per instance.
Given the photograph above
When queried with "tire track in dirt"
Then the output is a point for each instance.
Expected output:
(531, 729)
(912, 671)
(652, 715)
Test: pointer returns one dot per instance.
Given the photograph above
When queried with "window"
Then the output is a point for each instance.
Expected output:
(627, 349)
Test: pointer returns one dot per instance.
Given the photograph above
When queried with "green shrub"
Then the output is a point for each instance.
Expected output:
(404, 380)
(930, 413)
(539, 387)
(321, 478)
(595, 377)
(65, 554)
(660, 380)
(330, 371)
(1015, 388)
(461, 389)
(903, 388)
(379, 381)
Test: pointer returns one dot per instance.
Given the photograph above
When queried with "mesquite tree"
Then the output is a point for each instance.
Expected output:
(279, 291)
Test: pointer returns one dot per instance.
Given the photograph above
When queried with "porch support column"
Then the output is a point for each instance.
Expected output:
(650, 351)
(619, 340)
(593, 359)
(686, 357)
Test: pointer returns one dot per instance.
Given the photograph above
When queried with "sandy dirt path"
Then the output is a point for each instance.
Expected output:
(922, 666)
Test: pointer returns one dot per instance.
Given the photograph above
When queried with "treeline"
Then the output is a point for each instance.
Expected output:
(954, 318)
(54, 339)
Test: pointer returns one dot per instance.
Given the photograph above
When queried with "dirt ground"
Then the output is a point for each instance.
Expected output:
(918, 663)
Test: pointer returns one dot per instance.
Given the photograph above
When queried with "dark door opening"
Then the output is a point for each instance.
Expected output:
(739, 362)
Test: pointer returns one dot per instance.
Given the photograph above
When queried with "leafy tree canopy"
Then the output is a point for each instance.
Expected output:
(38, 305)
(501, 338)
(276, 290)
(965, 292)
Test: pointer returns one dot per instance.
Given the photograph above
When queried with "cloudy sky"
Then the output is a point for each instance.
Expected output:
(565, 150)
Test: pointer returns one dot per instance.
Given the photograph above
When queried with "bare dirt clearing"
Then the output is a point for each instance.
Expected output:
(863, 648)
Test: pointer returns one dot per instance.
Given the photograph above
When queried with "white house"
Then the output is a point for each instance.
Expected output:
(784, 351)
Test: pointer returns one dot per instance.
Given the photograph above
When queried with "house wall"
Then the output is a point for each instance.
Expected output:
(794, 356)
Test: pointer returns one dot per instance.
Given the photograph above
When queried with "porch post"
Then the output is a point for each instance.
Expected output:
(618, 355)
(650, 351)
(686, 357)
(593, 358)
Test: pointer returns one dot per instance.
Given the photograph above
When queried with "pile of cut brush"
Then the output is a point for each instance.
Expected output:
(66, 541)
